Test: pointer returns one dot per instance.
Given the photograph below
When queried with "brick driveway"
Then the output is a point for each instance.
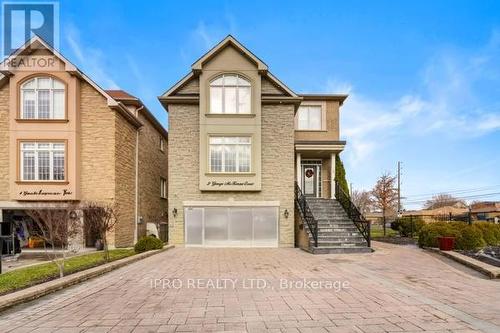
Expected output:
(392, 290)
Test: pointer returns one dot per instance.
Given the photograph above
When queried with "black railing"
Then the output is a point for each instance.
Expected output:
(353, 213)
(305, 212)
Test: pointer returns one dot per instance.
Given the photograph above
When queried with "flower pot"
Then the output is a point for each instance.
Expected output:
(446, 243)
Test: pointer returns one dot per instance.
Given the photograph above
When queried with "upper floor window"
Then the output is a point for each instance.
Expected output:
(163, 188)
(230, 154)
(43, 98)
(230, 93)
(309, 117)
(43, 161)
(162, 144)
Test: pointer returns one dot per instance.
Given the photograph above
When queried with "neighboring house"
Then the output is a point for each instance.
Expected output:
(486, 211)
(239, 139)
(65, 140)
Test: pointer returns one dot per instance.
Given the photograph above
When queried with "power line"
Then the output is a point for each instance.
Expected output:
(475, 196)
(458, 191)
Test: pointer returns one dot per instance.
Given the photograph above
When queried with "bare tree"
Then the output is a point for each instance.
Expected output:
(100, 218)
(385, 196)
(443, 200)
(55, 227)
(363, 200)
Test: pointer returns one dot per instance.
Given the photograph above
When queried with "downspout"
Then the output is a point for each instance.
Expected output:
(137, 177)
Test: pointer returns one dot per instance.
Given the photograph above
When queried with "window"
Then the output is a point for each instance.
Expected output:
(309, 118)
(230, 93)
(43, 161)
(163, 188)
(230, 154)
(162, 144)
(43, 98)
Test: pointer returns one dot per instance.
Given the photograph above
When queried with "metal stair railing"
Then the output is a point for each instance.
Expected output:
(353, 213)
(306, 214)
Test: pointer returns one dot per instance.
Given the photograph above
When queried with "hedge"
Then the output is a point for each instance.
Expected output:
(148, 243)
(467, 237)
(406, 225)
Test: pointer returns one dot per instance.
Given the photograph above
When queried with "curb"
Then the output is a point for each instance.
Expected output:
(45, 288)
(491, 271)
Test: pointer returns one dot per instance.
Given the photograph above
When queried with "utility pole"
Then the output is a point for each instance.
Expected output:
(399, 187)
(350, 189)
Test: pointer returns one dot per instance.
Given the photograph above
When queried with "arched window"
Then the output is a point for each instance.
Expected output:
(43, 98)
(230, 93)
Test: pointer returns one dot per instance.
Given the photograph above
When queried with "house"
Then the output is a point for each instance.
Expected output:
(486, 211)
(65, 140)
(239, 141)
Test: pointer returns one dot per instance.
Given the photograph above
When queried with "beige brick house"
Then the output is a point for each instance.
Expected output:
(239, 140)
(63, 139)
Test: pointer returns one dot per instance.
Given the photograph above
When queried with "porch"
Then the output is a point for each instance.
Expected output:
(316, 167)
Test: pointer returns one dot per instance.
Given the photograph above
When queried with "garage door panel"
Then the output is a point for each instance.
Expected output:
(241, 224)
(264, 224)
(232, 226)
(194, 226)
(216, 225)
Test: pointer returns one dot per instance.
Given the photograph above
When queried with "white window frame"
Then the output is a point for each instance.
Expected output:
(223, 93)
(163, 188)
(36, 151)
(237, 160)
(162, 144)
(306, 107)
(35, 90)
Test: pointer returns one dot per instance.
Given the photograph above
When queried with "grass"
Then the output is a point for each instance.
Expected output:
(32, 275)
(377, 230)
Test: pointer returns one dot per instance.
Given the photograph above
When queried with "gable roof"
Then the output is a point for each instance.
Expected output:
(36, 40)
(128, 99)
(229, 41)
(168, 97)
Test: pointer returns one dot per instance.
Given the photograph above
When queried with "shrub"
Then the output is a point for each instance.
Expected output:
(148, 243)
(490, 231)
(429, 233)
(470, 237)
(406, 225)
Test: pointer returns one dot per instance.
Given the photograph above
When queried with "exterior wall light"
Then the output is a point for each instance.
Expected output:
(285, 213)
(174, 212)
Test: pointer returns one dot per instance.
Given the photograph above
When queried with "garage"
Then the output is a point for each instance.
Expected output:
(231, 226)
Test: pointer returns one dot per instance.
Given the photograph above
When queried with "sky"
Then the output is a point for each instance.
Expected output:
(423, 76)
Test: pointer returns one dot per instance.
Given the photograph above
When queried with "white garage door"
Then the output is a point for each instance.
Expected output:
(231, 226)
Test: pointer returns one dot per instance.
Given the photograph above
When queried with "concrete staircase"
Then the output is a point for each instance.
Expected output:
(336, 232)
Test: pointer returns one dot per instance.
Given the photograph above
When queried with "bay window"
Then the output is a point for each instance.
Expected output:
(43, 98)
(309, 118)
(230, 93)
(43, 161)
(230, 154)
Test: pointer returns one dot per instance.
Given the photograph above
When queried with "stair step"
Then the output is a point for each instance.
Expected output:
(338, 250)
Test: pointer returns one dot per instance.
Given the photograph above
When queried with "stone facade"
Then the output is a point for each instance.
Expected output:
(152, 167)
(4, 146)
(277, 167)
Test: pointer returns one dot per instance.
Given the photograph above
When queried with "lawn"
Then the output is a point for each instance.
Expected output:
(378, 231)
(29, 276)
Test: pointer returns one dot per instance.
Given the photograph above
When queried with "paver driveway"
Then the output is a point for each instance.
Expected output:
(392, 290)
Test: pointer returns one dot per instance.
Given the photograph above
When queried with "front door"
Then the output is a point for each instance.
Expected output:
(310, 180)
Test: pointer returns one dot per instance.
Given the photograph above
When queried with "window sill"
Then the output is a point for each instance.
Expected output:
(42, 182)
(229, 173)
(21, 120)
(303, 130)
(230, 115)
